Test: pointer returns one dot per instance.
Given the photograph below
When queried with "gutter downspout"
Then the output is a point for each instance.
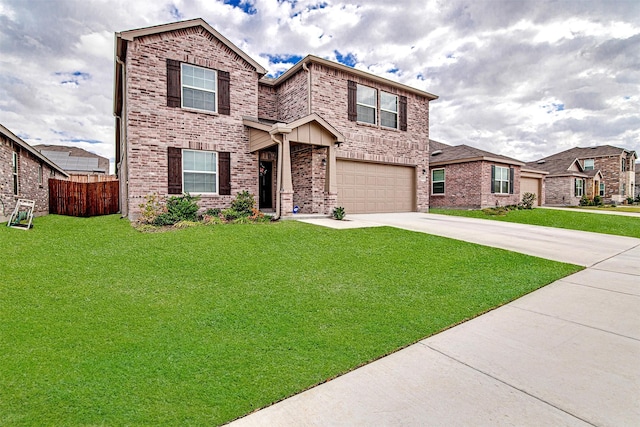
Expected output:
(278, 176)
(123, 136)
(305, 68)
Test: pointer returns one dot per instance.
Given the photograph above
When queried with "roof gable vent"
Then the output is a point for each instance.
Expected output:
(541, 161)
(435, 153)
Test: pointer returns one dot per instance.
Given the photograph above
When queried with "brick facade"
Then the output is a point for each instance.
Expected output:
(150, 127)
(618, 183)
(468, 186)
(29, 187)
(560, 191)
(153, 127)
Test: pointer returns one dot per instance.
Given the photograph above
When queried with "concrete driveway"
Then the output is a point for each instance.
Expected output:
(567, 354)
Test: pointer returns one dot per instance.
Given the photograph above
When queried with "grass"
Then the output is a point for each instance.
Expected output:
(573, 220)
(101, 324)
(610, 208)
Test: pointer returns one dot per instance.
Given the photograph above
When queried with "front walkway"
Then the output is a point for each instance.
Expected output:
(566, 354)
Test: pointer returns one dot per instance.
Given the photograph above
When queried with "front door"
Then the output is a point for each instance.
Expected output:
(265, 174)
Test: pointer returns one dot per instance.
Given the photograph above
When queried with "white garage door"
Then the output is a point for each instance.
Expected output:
(375, 188)
(530, 185)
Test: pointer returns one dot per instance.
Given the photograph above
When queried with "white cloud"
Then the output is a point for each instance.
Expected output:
(521, 78)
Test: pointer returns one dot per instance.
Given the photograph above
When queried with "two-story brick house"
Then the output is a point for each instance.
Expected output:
(196, 114)
(605, 171)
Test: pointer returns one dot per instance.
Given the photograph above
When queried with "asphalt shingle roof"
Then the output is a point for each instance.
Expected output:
(443, 153)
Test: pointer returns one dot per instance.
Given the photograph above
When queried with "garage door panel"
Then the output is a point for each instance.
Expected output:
(374, 187)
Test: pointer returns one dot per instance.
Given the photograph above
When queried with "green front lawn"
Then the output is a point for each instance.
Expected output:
(573, 220)
(101, 324)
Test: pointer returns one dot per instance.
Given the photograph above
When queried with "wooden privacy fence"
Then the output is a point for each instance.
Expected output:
(83, 198)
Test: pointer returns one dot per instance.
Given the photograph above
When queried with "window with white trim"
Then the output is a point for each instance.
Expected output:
(367, 104)
(14, 172)
(388, 110)
(437, 181)
(579, 187)
(40, 175)
(199, 88)
(501, 180)
(623, 165)
(199, 171)
(589, 164)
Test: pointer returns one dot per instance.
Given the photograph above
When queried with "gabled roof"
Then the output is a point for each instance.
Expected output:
(18, 141)
(442, 154)
(559, 164)
(310, 59)
(132, 34)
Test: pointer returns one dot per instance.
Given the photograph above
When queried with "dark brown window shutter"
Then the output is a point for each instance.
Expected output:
(224, 93)
(403, 113)
(173, 83)
(352, 99)
(174, 168)
(493, 178)
(224, 169)
(511, 179)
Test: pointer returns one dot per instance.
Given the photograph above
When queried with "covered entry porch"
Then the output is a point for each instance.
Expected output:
(297, 164)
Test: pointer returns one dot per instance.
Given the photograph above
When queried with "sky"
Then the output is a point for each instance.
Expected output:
(521, 78)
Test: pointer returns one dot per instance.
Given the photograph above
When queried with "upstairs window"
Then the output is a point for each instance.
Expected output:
(437, 181)
(388, 110)
(589, 164)
(367, 104)
(623, 167)
(198, 88)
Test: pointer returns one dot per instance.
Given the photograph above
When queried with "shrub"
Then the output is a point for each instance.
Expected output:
(597, 201)
(212, 212)
(152, 207)
(527, 200)
(629, 200)
(183, 208)
(230, 214)
(584, 201)
(338, 213)
(244, 203)
(164, 219)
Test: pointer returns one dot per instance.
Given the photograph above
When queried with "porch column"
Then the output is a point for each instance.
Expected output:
(330, 181)
(286, 192)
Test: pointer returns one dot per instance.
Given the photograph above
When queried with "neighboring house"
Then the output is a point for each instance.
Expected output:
(637, 190)
(196, 114)
(606, 171)
(23, 175)
(74, 160)
(464, 177)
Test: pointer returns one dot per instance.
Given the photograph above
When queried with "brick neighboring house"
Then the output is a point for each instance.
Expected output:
(637, 190)
(23, 175)
(604, 170)
(194, 113)
(76, 161)
(465, 177)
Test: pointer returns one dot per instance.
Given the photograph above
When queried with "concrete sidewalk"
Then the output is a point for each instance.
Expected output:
(567, 354)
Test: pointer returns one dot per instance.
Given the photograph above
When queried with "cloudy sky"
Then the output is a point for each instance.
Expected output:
(522, 78)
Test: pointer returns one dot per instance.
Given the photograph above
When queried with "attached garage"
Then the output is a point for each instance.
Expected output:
(531, 181)
(374, 187)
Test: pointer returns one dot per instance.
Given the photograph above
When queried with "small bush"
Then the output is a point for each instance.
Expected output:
(497, 211)
(244, 203)
(164, 218)
(183, 208)
(597, 201)
(152, 207)
(186, 224)
(230, 214)
(527, 200)
(629, 200)
(338, 213)
(212, 212)
(584, 201)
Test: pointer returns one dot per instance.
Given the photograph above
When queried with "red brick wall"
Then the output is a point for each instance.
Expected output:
(267, 102)
(292, 98)
(28, 186)
(153, 127)
(468, 186)
(560, 191)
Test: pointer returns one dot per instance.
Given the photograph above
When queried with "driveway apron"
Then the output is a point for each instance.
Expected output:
(566, 354)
